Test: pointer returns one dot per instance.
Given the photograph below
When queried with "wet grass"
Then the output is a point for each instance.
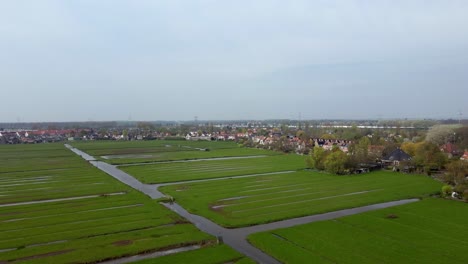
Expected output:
(429, 231)
(172, 172)
(100, 226)
(207, 255)
(262, 199)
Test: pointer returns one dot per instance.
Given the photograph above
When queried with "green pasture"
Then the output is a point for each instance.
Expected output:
(262, 199)
(56, 183)
(100, 148)
(106, 219)
(124, 152)
(429, 231)
(207, 255)
(91, 229)
(207, 169)
(188, 155)
(18, 158)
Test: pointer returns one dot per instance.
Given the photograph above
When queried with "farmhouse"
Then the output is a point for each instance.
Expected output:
(395, 157)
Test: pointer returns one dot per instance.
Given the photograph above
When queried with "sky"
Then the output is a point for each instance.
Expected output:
(229, 60)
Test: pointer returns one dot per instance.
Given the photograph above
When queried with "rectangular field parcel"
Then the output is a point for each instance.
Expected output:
(207, 255)
(429, 231)
(206, 169)
(262, 199)
(19, 158)
(72, 212)
(160, 150)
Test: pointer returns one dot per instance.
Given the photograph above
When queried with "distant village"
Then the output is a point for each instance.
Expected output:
(289, 138)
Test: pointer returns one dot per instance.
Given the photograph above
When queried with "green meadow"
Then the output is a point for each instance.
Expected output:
(57, 208)
(21, 158)
(112, 147)
(429, 231)
(67, 210)
(207, 255)
(124, 152)
(261, 199)
(207, 169)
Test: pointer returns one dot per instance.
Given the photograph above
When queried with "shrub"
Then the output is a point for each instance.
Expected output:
(465, 195)
(446, 190)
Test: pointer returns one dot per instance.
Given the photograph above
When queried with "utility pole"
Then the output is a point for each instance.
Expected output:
(299, 121)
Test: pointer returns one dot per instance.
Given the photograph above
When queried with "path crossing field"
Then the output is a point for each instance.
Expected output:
(65, 211)
(207, 169)
(429, 231)
(262, 199)
(125, 152)
(208, 255)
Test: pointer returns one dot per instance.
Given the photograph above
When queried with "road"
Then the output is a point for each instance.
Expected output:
(120, 175)
(236, 238)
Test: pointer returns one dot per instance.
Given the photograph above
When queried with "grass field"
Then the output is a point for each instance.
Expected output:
(19, 158)
(185, 155)
(124, 152)
(429, 231)
(100, 148)
(55, 183)
(171, 172)
(207, 255)
(98, 217)
(261, 199)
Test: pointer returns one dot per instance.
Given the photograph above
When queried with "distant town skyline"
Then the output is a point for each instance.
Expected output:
(242, 60)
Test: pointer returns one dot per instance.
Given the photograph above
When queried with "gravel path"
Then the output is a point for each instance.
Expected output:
(236, 238)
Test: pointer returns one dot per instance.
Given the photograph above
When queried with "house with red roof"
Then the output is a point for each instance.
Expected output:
(465, 156)
(449, 149)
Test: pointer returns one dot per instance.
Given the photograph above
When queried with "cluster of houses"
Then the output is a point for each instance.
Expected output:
(33, 136)
(57, 135)
(300, 146)
(451, 150)
(271, 140)
(221, 136)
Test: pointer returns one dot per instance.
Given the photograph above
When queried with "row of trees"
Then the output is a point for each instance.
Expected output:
(456, 176)
(426, 156)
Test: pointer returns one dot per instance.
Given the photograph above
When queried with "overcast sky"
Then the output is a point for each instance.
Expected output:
(173, 60)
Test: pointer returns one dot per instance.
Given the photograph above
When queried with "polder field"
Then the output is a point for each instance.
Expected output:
(207, 169)
(57, 208)
(261, 199)
(124, 152)
(208, 255)
(17, 158)
(429, 231)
